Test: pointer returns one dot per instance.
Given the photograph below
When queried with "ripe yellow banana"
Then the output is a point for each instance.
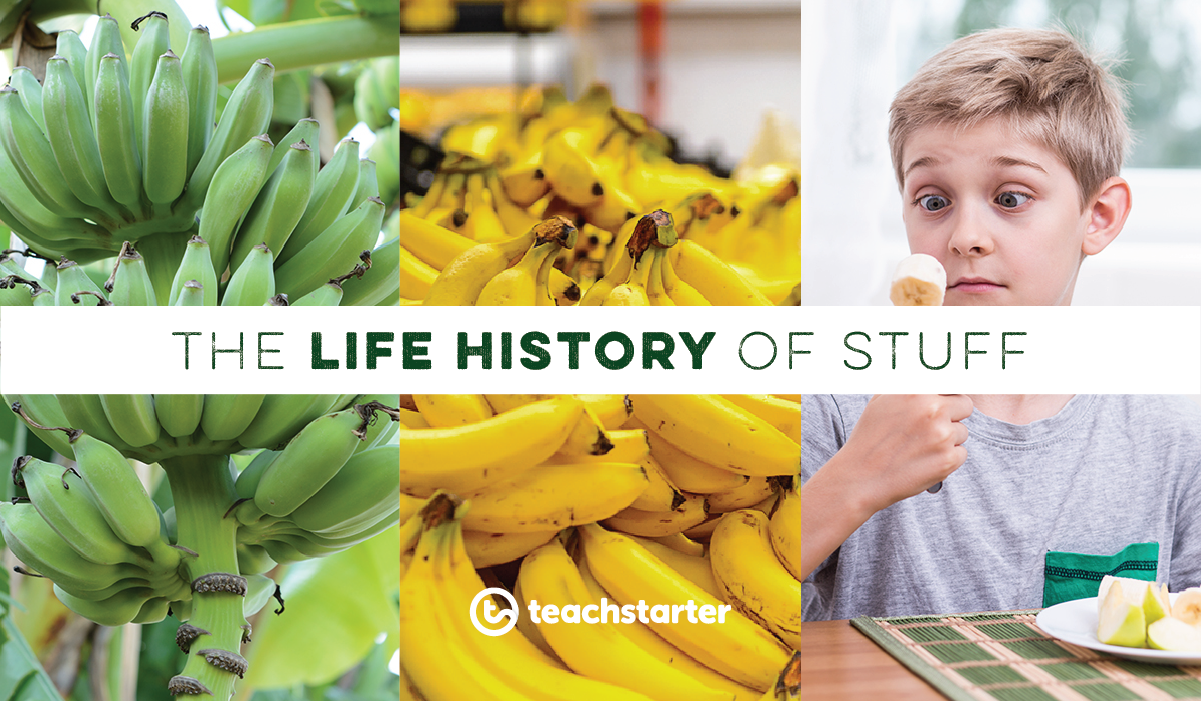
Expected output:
(689, 474)
(714, 280)
(754, 491)
(653, 524)
(550, 497)
(487, 549)
(695, 568)
(448, 410)
(737, 648)
(713, 429)
(468, 458)
(660, 494)
(599, 651)
(785, 529)
(651, 643)
(754, 581)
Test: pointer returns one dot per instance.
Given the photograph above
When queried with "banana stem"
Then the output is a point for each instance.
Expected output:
(203, 489)
(306, 43)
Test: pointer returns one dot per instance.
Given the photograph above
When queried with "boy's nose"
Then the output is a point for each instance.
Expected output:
(970, 237)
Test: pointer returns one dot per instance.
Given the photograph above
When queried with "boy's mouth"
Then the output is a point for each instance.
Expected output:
(975, 285)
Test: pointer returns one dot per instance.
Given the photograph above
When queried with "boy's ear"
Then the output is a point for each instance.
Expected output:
(1106, 215)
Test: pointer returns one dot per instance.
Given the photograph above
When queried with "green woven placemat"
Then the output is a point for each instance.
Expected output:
(1003, 656)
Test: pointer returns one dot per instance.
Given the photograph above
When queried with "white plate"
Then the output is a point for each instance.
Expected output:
(1076, 622)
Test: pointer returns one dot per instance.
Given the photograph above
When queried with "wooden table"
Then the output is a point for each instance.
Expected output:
(839, 663)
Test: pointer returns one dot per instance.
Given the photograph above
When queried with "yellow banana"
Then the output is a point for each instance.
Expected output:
(711, 428)
(714, 280)
(660, 494)
(654, 524)
(737, 647)
(689, 474)
(471, 457)
(695, 568)
(751, 576)
(487, 549)
(642, 636)
(446, 410)
(785, 415)
(555, 496)
(785, 529)
(754, 491)
(599, 651)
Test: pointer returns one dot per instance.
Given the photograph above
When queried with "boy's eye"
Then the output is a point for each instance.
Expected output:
(933, 203)
(1012, 199)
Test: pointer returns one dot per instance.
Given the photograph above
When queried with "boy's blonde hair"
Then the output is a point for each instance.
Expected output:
(1042, 83)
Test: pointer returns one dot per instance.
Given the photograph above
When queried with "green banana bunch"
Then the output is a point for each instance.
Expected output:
(114, 150)
(377, 91)
(115, 558)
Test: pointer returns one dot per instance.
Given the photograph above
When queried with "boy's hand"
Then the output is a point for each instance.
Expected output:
(903, 444)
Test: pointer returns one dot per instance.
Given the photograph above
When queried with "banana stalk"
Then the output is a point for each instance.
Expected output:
(203, 489)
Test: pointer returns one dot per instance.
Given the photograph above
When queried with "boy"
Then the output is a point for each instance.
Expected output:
(1007, 147)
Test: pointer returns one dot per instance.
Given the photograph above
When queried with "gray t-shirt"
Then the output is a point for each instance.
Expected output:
(1105, 472)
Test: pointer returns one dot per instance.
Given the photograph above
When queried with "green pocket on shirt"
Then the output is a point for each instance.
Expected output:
(1070, 576)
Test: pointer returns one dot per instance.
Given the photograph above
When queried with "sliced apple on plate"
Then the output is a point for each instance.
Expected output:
(1121, 622)
(1175, 635)
(1151, 597)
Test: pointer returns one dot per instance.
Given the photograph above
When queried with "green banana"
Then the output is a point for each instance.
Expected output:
(281, 416)
(246, 115)
(130, 284)
(117, 610)
(154, 41)
(30, 91)
(69, 132)
(379, 284)
(192, 294)
(120, 495)
(106, 39)
(115, 133)
(330, 294)
(200, 79)
(278, 206)
(386, 154)
(132, 417)
(368, 185)
(29, 218)
(86, 413)
(311, 459)
(71, 280)
(44, 410)
(332, 192)
(153, 610)
(307, 130)
(365, 488)
(179, 414)
(68, 45)
(253, 559)
(165, 132)
(234, 187)
(333, 250)
(226, 416)
(39, 546)
(60, 496)
(197, 264)
(31, 155)
(254, 282)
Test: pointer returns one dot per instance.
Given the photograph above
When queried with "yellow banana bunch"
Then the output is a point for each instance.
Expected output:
(517, 271)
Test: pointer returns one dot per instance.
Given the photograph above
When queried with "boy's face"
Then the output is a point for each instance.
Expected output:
(1001, 213)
